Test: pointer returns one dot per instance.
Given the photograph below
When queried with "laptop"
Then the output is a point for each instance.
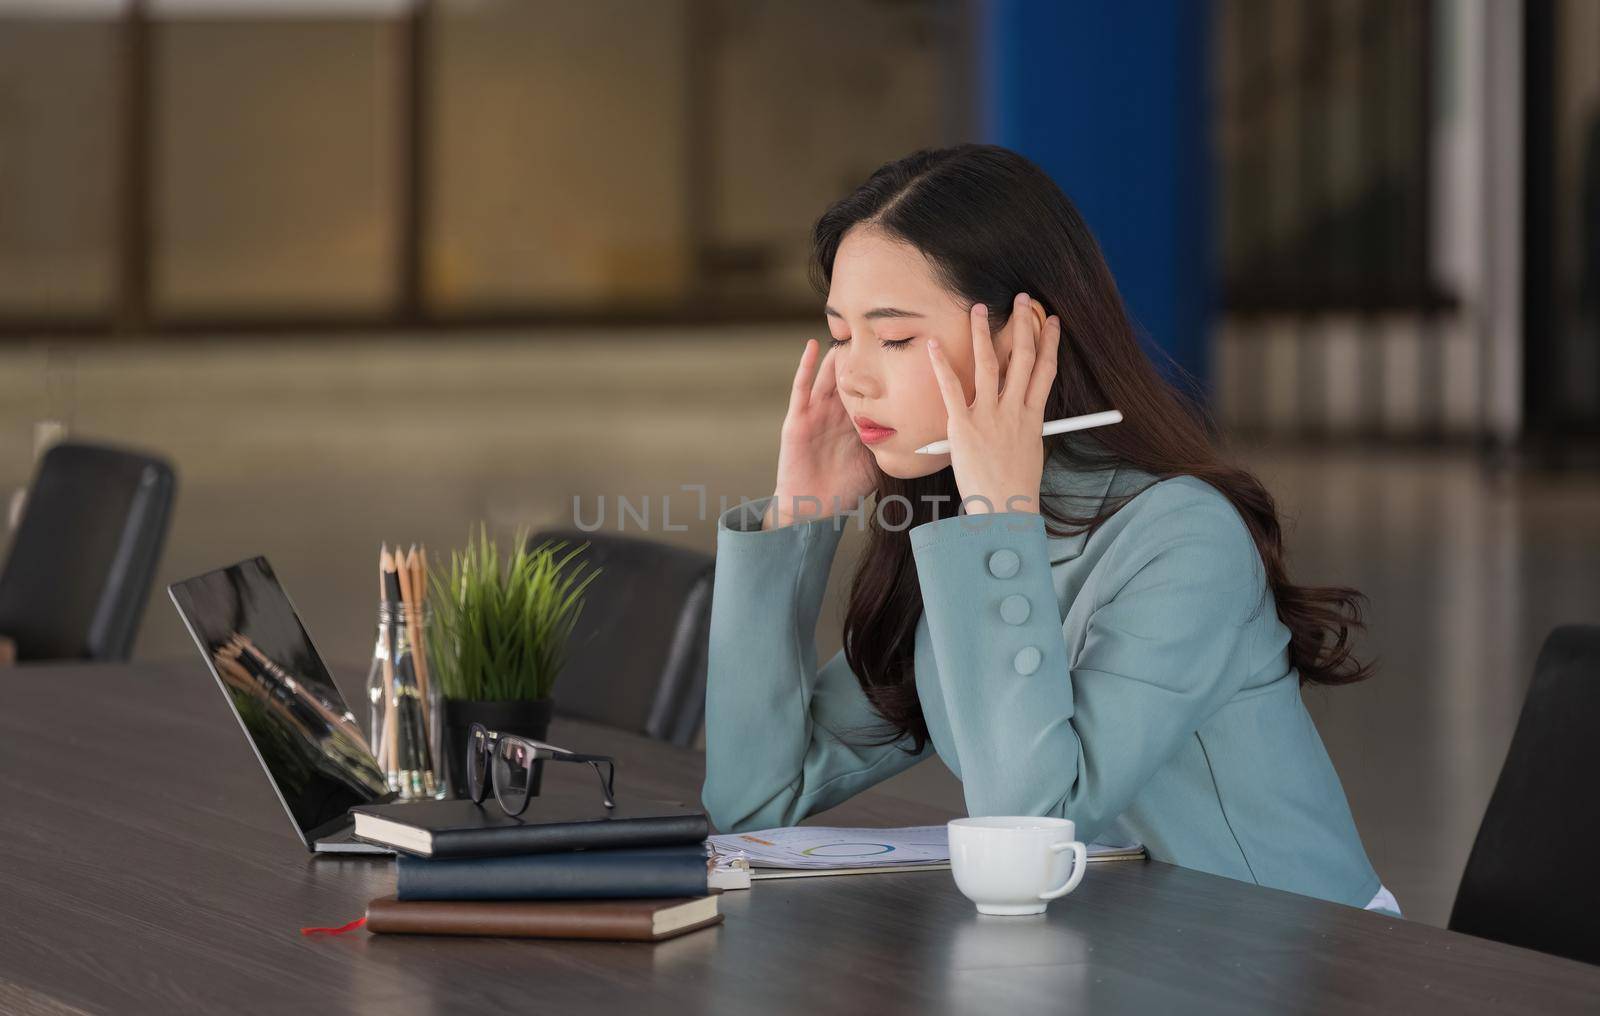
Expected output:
(313, 749)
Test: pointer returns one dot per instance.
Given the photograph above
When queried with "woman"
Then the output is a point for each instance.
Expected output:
(1096, 626)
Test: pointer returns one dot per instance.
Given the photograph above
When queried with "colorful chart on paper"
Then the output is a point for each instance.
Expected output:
(835, 847)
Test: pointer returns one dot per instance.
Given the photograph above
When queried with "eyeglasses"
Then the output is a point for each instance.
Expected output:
(507, 761)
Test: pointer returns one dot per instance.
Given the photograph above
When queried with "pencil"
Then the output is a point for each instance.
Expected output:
(405, 566)
(1062, 426)
(407, 761)
(419, 587)
(434, 777)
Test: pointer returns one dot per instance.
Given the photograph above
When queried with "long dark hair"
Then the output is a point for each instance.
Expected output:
(994, 225)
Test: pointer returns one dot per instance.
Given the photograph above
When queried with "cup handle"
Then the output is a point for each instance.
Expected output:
(1080, 861)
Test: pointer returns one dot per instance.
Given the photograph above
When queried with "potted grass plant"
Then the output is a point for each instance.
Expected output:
(499, 636)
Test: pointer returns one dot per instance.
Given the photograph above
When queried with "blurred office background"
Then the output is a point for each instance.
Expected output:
(372, 270)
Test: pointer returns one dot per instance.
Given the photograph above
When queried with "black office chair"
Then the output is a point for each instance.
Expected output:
(1532, 879)
(84, 555)
(637, 657)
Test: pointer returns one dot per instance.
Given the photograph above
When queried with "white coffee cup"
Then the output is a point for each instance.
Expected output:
(1015, 864)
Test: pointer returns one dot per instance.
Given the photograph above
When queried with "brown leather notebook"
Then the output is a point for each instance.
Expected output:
(635, 920)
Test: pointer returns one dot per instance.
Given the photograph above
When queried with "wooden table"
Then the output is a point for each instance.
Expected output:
(146, 866)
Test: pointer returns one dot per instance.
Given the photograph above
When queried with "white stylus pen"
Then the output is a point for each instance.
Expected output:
(1050, 427)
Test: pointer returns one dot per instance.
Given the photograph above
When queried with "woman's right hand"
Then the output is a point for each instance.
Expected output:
(820, 455)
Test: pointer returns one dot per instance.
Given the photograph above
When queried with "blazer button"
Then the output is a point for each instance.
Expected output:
(1004, 563)
(1028, 659)
(1014, 609)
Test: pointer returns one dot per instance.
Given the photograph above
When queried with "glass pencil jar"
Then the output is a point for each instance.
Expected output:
(405, 711)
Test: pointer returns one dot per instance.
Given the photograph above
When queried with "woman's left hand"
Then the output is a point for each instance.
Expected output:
(996, 448)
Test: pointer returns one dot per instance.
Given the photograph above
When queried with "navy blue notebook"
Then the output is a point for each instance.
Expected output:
(637, 872)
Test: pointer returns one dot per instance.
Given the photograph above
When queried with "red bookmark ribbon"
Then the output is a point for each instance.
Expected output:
(352, 926)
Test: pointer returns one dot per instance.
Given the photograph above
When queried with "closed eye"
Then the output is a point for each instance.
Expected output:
(886, 343)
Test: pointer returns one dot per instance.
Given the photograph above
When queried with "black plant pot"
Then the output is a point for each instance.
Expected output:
(527, 717)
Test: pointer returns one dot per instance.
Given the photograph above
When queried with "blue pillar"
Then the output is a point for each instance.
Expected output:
(1110, 98)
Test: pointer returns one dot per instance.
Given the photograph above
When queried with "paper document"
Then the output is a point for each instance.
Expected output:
(831, 848)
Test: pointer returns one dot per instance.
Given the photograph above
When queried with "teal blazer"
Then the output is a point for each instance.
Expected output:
(1136, 681)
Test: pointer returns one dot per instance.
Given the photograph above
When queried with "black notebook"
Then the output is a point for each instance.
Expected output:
(552, 822)
(632, 873)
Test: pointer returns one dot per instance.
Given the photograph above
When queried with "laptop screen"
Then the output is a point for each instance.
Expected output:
(310, 743)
